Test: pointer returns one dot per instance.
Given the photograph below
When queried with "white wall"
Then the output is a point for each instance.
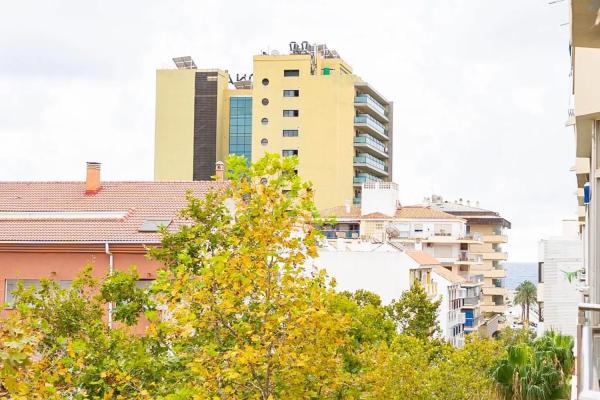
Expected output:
(561, 255)
(384, 273)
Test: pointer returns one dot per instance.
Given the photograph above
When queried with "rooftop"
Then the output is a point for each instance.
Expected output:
(62, 212)
(422, 258)
(404, 212)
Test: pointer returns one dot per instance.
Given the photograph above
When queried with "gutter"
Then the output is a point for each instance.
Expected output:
(110, 272)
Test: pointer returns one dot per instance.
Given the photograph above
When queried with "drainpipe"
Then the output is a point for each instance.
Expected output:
(110, 272)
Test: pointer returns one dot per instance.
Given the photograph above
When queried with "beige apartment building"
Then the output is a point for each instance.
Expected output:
(308, 103)
(466, 245)
(490, 228)
(584, 117)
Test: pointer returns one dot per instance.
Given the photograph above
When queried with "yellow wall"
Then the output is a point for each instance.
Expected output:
(325, 123)
(174, 133)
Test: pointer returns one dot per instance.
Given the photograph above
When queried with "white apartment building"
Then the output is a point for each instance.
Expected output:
(561, 280)
(388, 271)
(381, 219)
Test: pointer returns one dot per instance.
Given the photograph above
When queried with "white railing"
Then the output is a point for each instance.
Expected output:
(587, 385)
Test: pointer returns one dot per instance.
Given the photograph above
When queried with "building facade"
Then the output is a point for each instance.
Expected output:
(388, 271)
(52, 230)
(584, 117)
(417, 228)
(307, 103)
(562, 277)
(490, 228)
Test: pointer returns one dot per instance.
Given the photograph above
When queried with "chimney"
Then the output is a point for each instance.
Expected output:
(92, 178)
(220, 171)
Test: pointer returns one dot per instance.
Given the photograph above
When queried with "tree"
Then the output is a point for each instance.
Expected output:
(537, 370)
(415, 313)
(253, 321)
(526, 295)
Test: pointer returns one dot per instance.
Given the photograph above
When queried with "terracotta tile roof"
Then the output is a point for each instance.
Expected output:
(448, 275)
(422, 212)
(376, 215)
(422, 258)
(138, 201)
(342, 212)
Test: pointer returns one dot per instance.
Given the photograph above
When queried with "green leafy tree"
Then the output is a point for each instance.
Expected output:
(526, 296)
(415, 313)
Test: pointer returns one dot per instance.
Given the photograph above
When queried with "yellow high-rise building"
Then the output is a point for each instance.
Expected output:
(306, 103)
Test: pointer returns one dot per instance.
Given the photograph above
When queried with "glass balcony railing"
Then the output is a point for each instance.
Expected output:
(356, 200)
(363, 177)
(371, 141)
(366, 99)
(371, 122)
(344, 234)
(371, 161)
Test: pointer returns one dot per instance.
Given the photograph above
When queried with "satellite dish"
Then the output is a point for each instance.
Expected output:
(274, 53)
(392, 231)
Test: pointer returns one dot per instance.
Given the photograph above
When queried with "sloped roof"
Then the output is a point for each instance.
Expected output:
(422, 257)
(342, 212)
(422, 212)
(114, 214)
(448, 275)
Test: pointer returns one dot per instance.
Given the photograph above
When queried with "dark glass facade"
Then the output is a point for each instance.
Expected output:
(240, 126)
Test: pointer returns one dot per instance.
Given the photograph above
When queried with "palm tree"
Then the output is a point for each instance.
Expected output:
(526, 296)
(538, 370)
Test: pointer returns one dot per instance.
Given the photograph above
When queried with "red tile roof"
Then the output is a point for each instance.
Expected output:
(140, 201)
(422, 258)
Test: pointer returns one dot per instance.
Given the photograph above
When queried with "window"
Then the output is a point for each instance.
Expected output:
(291, 72)
(240, 126)
(265, 101)
(11, 286)
(418, 227)
(290, 113)
(288, 153)
(264, 121)
(442, 229)
(265, 82)
(290, 132)
(291, 93)
(264, 141)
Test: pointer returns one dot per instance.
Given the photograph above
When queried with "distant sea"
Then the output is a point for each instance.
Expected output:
(517, 272)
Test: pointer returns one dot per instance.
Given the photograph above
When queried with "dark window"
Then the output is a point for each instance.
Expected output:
(291, 93)
(265, 82)
(289, 153)
(290, 113)
(291, 72)
(265, 101)
(290, 132)
(264, 141)
(264, 121)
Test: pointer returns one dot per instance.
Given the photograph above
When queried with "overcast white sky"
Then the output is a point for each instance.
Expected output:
(481, 88)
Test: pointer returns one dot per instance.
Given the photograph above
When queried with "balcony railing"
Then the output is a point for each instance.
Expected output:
(587, 352)
(370, 141)
(465, 256)
(364, 177)
(343, 234)
(356, 200)
(371, 161)
(371, 123)
(366, 99)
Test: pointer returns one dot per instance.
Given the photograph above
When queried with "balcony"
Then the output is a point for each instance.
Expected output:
(497, 255)
(364, 177)
(341, 234)
(492, 325)
(371, 164)
(495, 239)
(494, 291)
(356, 200)
(366, 103)
(472, 323)
(466, 258)
(462, 318)
(493, 308)
(371, 145)
(368, 124)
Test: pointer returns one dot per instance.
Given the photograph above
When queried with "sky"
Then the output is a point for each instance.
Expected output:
(480, 89)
